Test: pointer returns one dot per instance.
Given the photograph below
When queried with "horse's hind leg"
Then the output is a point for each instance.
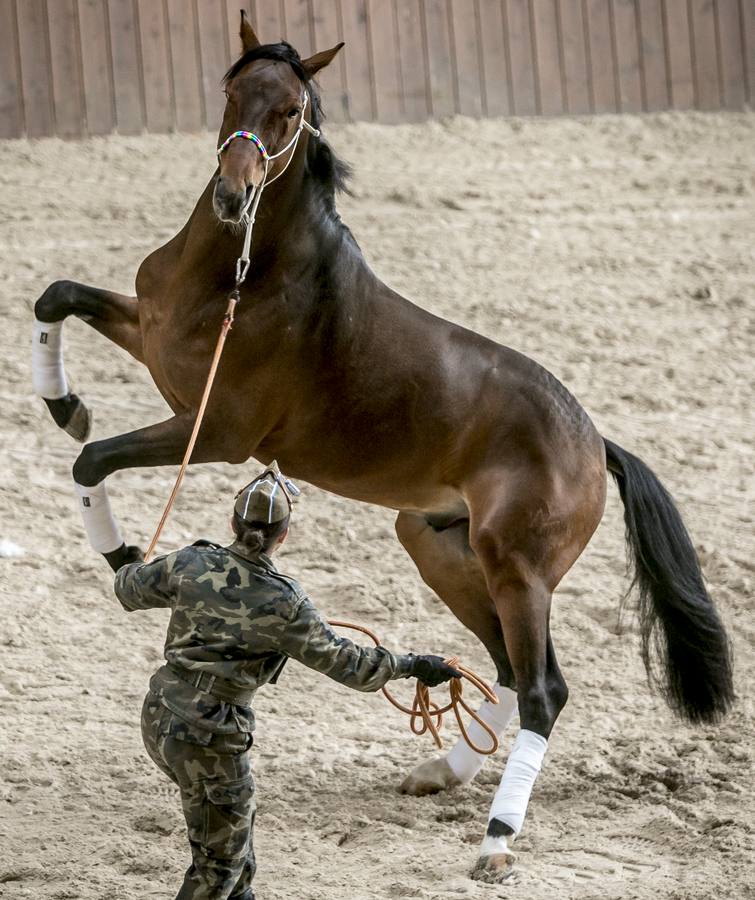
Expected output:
(525, 544)
(447, 565)
(113, 315)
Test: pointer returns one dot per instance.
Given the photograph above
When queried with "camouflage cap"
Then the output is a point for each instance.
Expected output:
(267, 498)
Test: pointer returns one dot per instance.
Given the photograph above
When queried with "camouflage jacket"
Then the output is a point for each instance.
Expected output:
(235, 617)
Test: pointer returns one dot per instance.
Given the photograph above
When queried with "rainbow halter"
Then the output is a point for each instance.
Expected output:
(250, 210)
(250, 136)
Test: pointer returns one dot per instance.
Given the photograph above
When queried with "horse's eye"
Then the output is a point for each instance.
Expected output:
(293, 113)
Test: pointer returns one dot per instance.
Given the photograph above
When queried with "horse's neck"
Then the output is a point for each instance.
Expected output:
(300, 249)
(218, 244)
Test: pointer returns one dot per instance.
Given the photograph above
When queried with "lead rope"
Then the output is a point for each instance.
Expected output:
(233, 299)
(242, 268)
(425, 715)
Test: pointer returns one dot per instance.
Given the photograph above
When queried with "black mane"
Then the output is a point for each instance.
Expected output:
(325, 167)
(282, 52)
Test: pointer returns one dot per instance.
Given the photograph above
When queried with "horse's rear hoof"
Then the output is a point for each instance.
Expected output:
(429, 777)
(494, 869)
(71, 414)
(123, 556)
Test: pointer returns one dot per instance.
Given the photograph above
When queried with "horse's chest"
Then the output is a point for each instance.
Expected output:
(155, 273)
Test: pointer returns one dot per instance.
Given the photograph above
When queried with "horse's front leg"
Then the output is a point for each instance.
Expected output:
(113, 315)
(162, 444)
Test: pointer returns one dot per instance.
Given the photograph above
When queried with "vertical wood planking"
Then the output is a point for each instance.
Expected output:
(655, 87)
(213, 58)
(627, 45)
(357, 60)
(271, 25)
(523, 88)
(679, 55)
(332, 79)
(386, 66)
(72, 67)
(412, 58)
(705, 54)
(158, 102)
(550, 99)
(35, 68)
(124, 48)
(602, 71)
(95, 63)
(184, 66)
(439, 64)
(574, 57)
(464, 30)
(11, 111)
(494, 62)
(65, 65)
(747, 12)
(297, 25)
(730, 56)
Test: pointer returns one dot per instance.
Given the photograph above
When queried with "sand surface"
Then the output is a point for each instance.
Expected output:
(618, 252)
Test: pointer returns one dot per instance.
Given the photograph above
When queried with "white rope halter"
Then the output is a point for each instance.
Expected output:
(250, 209)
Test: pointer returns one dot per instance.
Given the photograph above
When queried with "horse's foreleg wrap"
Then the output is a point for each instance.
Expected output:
(47, 374)
(513, 794)
(99, 523)
(464, 762)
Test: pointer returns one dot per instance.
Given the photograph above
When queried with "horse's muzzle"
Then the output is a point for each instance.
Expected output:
(228, 202)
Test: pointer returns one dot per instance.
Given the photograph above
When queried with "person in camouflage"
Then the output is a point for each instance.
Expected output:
(235, 621)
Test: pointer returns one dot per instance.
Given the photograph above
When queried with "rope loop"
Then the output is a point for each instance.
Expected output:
(426, 715)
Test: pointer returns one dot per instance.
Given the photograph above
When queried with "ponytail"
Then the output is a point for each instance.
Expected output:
(257, 537)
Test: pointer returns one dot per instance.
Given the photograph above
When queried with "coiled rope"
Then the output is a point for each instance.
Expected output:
(425, 715)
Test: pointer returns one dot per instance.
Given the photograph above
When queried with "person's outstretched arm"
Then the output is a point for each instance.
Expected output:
(145, 585)
(308, 638)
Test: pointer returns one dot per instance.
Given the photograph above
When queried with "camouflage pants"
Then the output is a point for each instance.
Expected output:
(213, 772)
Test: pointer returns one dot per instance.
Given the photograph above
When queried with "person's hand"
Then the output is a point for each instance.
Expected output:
(432, 670)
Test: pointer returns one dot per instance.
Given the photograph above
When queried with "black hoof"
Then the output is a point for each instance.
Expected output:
(72, 416)
(123, 556)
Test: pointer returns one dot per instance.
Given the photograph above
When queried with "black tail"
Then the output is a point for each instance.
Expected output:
(691, 664)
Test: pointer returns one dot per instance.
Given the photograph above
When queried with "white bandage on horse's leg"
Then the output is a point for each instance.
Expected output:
(99, 524)
(465, 763)
(513, 794)
(48, 377)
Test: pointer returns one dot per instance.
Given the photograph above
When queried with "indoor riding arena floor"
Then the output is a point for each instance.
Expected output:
(619, 253)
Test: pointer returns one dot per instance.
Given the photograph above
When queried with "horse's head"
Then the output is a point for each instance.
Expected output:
(268, 96)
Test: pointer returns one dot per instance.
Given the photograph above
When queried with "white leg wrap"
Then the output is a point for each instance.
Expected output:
(99, 524)
(462, 759)
(513, 794)
(47, 374)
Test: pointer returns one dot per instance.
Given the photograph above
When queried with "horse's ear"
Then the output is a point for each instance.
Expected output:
(320, 60)
(249, 40)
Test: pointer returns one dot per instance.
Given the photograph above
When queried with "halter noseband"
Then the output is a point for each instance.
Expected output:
(250, 136)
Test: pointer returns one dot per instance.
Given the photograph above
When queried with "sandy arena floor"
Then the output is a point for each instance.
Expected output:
(619, 252)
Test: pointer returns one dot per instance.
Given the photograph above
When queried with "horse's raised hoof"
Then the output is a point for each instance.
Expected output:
(123, 556)
(429, 777)
(71, 414)
(495, 868)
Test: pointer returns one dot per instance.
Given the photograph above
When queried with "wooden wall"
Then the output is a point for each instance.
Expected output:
(78, 67)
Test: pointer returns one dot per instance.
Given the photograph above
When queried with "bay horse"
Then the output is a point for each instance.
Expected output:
(497, 473)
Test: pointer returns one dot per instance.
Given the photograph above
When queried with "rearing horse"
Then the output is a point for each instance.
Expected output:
(498, 475)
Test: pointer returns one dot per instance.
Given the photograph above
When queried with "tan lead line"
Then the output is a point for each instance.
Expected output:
(425, 715)
(227, 322)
